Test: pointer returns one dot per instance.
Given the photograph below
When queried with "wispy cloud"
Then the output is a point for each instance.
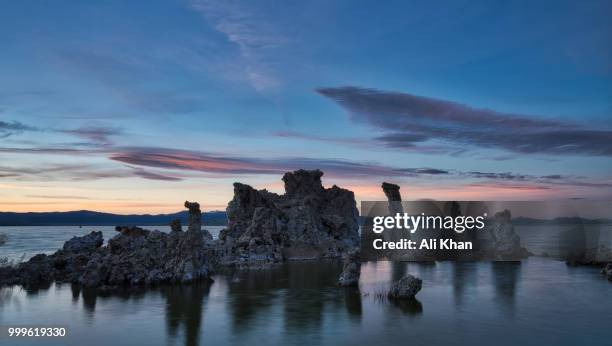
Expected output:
(154, 176)
(167, 162)
(66, 172)
(95, 135)
(317, 138)
(409, 121)
(253, 34)
(10, 128)
(216, 163)
(45, 150)
(174, 159)
(61, 197)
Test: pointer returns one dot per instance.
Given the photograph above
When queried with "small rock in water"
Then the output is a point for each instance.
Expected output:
(176, 226)
(405, 288)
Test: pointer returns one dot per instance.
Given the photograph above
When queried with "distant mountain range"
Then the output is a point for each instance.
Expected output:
(211, 218)
(94, 218)
(559, 221)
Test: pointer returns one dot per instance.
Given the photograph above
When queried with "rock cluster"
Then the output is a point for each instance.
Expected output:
(135, 256)
(595, 256)
(307, 222)
(351, 270)
(405, 288)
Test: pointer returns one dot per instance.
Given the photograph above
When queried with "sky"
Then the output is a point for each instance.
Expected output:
(135, 107)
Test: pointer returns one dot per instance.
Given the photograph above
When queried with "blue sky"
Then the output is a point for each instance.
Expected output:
(134, 106)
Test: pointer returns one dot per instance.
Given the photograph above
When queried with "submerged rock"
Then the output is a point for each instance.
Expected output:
(307, 222)
(351, 269)
(405, 288)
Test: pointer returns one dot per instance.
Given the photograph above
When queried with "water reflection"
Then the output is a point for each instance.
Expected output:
(410, 307)
(299, 303)
(352, 301)
(184, 307)
(305, 291)
(465, 276)
(398, 270)
(505, 277)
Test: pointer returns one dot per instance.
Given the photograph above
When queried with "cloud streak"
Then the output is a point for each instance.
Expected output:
(175, 159)
(214, 163)
(79, 173)
(409, 121)
(255, 37)
(95, 135)
(167, 162)
(8, 129)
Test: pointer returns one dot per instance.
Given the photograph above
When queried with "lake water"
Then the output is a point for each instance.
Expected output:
(540, 301)
(24, 242)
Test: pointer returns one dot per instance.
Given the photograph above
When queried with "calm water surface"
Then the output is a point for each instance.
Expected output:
(540, 301)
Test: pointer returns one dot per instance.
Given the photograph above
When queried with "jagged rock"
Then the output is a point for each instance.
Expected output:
(307, 222)
(392, 192)
(242, 206)
(499, 241)
(303, 183)
(405, 288)
(176, 226)
(150, 257)
(87, 243)
(607, 271)
(130, 231)
(351, 269)
(195, 216)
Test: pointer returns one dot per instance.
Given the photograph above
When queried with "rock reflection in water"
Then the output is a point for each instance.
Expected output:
(184, 307)
(465, 276)
(299, 303)
(408, 306)
(505, 276)
(305, 291)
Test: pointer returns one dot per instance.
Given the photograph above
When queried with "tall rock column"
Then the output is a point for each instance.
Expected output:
(194, 222)
(393, 197)
(395, 207)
